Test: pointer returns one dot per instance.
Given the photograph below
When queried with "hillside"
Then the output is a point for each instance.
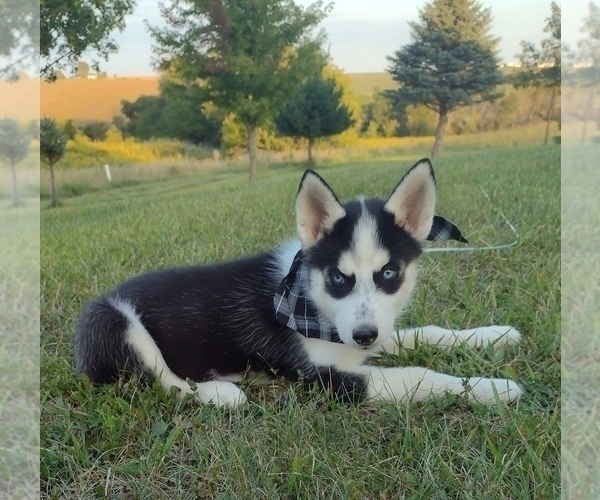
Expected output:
(20, 100)
(86, 100)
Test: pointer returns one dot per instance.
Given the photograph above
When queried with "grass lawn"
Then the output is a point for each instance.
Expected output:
(128, 440)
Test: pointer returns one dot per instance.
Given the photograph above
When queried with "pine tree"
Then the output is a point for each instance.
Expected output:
(315, 110)
(451, 62)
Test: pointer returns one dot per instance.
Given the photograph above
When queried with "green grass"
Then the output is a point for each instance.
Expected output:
(581, 323)
(130, 440)
(19, 349)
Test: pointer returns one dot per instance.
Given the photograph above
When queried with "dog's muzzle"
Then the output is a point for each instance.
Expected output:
(364, 335)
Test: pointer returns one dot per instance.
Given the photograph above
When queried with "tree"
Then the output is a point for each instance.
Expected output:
(450, 64)
(14, 146)
(96, 130)
(589, 52)
(83, 69)
(177, 113)
(19, 35)
(378, 118)
(249, 56)
(53, 145)
(315, 110)
(541, 68)
(70, 28)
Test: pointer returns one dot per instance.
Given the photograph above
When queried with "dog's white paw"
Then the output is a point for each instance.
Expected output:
(497, 335)
(221, 394)
(484, 390)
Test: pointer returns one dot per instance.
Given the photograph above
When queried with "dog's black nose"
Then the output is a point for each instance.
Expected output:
(364, 334)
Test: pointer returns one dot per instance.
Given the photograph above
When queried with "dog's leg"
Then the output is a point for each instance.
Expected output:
(217, 392)
(417, 384)
(434, 335)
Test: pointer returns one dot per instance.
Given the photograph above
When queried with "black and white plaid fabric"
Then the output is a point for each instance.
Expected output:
(443, 229)
(294, 310)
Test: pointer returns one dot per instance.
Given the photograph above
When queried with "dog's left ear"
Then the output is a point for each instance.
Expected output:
(317, 209)
(413, 200)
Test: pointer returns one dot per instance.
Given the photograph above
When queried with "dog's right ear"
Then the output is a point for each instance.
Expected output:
(317, 209)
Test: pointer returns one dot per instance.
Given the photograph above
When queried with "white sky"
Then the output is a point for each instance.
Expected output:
(361, 33)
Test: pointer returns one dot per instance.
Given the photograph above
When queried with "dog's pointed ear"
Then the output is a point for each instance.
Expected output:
(317, 209)
(413, 200)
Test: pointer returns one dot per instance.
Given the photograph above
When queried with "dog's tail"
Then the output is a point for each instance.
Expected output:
(101, 347)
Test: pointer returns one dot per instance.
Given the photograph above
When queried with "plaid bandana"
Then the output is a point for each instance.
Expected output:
(294, 310)
(443, 229)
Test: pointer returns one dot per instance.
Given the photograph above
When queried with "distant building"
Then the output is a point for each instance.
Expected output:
(92, 77)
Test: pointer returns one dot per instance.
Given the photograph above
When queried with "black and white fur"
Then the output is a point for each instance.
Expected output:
(210, 324)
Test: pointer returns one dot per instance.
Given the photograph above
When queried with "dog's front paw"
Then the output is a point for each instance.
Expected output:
(497, 335)
(484, 390)
(221, 394)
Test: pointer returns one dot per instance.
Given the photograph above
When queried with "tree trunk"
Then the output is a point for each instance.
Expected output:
(440, 132)
(53, 199)
(586, 114)
(311, 160)
(15, 186)
(549, 116)
(252, 152)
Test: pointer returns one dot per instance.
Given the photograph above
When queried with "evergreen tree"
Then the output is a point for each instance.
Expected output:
(14, 146)
(315, 110)
(541, 68)
(249, 56)
(450, 64)
(53, 144)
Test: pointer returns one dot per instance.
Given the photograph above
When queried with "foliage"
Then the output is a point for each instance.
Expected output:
(249, 56)
(444, 68)
(19, 35)
(377, 117)
(14, 141)
(52, 142)
(14, 146)
(179, 112)
(235, 137)
(69, 129)
(96, 130)
(83, 152)
(315, 110)
(70, 28)
(52, 148)
(541, 68)
(457, 21)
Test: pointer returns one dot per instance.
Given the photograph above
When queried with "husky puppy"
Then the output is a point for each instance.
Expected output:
(314, 309)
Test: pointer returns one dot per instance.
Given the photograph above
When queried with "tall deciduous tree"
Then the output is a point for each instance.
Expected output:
(68, 28)
(589, 52)
(541, 67)
(451, 62)
(53, 144)
(14, 146)
(19, 35)
(249, 56)
(315, 110)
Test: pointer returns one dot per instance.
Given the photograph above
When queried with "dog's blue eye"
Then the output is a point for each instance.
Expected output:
(389, 274)
(337, 278)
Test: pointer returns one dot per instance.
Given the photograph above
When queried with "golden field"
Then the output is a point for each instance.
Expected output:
(87, 100)
(20, 100)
